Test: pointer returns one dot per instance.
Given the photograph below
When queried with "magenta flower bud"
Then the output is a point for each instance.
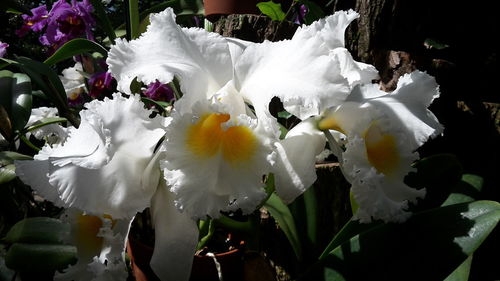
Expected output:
(159, 92)
(3, 49)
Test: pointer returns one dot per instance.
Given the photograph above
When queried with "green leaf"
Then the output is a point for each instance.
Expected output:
(46, 121)
(5, 124)
(350, 229)
(159, 105)
(13, 6)
(25, 257)
(7, 173)
(103, 20)
(283, 217)
(284, 114)
(133, 19)
(466, 190)
(438, 174)
(7, 167)
(430, 245)
(48, 81)
(75, 47)
(15, 97)
(8, 157)
(311, 210)
(272, 10)
(462, 272)
(41, 230)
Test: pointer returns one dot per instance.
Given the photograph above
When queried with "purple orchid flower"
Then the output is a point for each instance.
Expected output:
(300, 14)
(36, 22)
(64, 22)
(101, 84)
(158, 91)
(3, 49)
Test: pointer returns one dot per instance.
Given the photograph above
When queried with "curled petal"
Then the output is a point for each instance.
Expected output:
(302, 71)
(295, 165)
(202, 61)
(355, 72)
(408, 104)
(176, 236)
(100, 167)
(35, 173)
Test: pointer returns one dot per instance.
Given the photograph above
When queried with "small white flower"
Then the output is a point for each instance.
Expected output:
(55, 134)
(73, 81)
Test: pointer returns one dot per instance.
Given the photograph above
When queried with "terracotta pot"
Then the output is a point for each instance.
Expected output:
(204, 268)
(215, 8)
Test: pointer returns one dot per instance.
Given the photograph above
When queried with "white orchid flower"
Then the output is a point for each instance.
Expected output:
(383, 131)
(73, 82)
(309, 73)
(108, 166)
(100, 243)
(55, 134)
(217, 147)
(100, 167)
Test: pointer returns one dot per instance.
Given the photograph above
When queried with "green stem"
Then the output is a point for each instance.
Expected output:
(133, 10)
(28, 143)
(241, 226)
(204, 240)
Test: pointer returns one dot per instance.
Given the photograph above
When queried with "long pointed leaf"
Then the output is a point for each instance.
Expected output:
(15, 97)
(429, 246)
(283, 216)
(75, 47)
(133, 19)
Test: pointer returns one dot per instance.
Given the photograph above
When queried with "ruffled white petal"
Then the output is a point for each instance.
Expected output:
(378, 196)
(383, 132)
(104, 176)
(202, 61)
(295, 165)
(208, 185)
(306, 72)
(408, 104)
(355, 72)
(35, 174)
(176, 236)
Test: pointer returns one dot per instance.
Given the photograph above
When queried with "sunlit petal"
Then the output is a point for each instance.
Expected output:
(176, 236)
(295, 170)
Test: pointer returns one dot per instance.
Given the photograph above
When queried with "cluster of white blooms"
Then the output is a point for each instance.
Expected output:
(211, 153)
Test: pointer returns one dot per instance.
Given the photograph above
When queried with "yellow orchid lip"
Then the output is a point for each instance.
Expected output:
(207, 137)
(381, 150)
(86, 236)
